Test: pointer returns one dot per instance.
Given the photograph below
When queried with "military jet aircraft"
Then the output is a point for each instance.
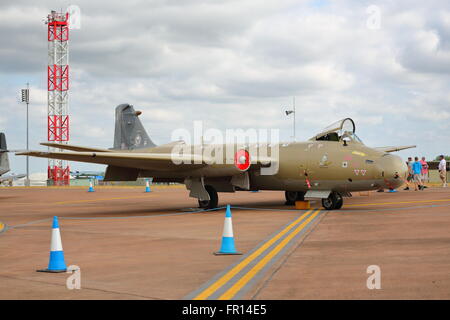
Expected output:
(4, 161)
(329, 166)
(8, 180)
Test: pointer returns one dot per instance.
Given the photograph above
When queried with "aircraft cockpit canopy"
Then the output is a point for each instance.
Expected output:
(339, 131)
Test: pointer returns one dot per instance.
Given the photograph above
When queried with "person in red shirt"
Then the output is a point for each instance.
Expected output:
(425, 176)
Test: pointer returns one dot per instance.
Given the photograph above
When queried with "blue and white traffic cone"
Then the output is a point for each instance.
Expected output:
(227, 247)
(91, 186)
(147, 186)
(56, 262)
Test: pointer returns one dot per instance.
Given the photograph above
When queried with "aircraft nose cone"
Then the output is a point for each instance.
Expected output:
(394, 171)
(403, 170)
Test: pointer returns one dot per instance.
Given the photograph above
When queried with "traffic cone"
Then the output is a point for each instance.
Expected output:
(227, 247)
(91, 187)
(147, 186)
(56, 262)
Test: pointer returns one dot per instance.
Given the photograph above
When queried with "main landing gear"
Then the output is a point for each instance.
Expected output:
(213, 199)
(333, 202)
(292, 196)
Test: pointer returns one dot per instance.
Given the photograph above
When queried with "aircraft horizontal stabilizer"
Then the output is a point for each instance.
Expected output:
(72, 147)
(394, 149)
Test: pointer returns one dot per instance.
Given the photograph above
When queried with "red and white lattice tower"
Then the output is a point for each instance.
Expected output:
(58, 92)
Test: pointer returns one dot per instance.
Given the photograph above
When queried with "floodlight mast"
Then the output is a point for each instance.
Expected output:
(26, 99)
(58, 93)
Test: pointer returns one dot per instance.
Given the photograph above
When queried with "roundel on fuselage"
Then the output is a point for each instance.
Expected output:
(242, 160)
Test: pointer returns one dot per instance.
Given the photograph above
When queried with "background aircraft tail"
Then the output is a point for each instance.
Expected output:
(129, 133)
(4, 161)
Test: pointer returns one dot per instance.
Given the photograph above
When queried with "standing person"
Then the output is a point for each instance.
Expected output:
(443, 171)
(409, 174)
(417, 173)
(425, 176)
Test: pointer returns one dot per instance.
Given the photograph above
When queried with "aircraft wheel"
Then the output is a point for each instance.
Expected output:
(292, 196)
(301, 196)
(214, 199)
(328, 203)
(339, 201)
(334, 201)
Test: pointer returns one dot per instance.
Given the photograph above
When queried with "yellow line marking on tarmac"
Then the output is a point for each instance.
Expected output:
(231, 292)
(398, 202)
(103, 199)
(230, 274)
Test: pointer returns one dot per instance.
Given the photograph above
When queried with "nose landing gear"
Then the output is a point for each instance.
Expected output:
(333, 202)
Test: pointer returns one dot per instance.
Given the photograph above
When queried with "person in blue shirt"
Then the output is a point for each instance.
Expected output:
(417, 172)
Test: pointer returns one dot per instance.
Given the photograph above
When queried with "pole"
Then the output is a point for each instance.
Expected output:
(27, 182)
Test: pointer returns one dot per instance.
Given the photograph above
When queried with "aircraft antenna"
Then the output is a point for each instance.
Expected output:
(293, 102)
(289, 112)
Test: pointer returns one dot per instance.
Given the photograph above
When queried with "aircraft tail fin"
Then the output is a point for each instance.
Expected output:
(4, 160)
(129, 133)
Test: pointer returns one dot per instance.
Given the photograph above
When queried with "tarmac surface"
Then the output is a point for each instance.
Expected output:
(135, 245)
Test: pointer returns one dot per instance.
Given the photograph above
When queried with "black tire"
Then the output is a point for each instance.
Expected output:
(333, 202)
(339, 201)
(214, 199)
(292, 196)
(328, 203)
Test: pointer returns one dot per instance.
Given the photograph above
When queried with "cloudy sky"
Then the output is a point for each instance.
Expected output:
(236, 64)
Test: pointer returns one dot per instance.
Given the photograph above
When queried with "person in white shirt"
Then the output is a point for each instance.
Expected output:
(443, 171)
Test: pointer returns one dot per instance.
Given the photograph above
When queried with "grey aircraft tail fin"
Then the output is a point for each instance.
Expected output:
(4, 161)
(129, 133)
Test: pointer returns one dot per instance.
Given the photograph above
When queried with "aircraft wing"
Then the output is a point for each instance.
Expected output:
(146, 161)
(73, 147)
(135, 160)
(393, 149)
